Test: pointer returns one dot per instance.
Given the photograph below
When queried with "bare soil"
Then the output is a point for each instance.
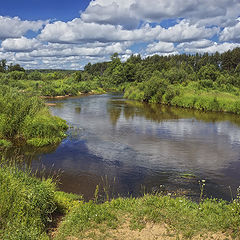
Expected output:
(151, 231)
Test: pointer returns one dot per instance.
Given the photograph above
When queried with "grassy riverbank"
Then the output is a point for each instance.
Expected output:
(26, 119)
(30, 206)
(187, 96)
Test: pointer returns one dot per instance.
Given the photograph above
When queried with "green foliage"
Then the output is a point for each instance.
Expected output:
(26, 118)
(170, 93)
(27, 204)
(16, 75)
(208, 72)
(66, 201)
(3, 65)
(5, 144)
(77, 76)
(35, 75)
(134, 93)
(15, 67)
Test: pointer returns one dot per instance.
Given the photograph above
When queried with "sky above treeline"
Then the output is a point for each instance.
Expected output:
(67, 34)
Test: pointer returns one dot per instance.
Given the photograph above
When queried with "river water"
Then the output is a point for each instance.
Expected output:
(131, 148)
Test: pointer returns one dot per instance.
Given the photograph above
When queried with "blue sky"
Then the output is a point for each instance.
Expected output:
(69, 34)
(64, 10)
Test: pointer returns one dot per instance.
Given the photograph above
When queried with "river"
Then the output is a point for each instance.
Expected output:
(131, 148)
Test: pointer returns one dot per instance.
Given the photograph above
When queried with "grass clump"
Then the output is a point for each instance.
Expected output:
(66, 201)
(27, 204)
(5, 144)
(26, 119)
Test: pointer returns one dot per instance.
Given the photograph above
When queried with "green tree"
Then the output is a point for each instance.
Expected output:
(16, 67)
(77, 76)
(3, 65)
(35, 75)
(208, 72)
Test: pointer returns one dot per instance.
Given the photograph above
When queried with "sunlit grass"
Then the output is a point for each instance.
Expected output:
(26, 119)
(26, 204)
(182, 215)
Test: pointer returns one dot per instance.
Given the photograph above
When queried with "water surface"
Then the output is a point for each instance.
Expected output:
(135, 147)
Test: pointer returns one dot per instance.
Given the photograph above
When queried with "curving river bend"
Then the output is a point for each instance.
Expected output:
(134, 147)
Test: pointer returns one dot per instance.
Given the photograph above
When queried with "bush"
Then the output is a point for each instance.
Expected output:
(35, 76)
(170, 93)
(17, 75)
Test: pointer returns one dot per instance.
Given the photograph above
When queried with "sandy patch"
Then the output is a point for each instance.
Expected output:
(151, 231)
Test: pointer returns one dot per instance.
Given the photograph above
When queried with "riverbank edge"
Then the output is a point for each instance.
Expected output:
(32, 208)
(202, 102)
(92, 92)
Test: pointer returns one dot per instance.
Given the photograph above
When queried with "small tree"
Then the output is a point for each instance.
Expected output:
(3, 65)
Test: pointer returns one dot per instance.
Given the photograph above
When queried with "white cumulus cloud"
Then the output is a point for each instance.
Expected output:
(111, 12)
(129, 13)
(231, 33)
(78, 31)
(185, 31)
(20, 44)
(209, 48)
(162, 47)
(15, 27)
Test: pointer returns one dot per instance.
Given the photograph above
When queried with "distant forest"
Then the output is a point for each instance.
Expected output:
(200, 81)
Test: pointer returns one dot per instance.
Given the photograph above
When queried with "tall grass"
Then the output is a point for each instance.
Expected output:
(26, 204)
(25, 118)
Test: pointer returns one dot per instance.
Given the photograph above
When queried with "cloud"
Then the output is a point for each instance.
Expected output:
(77, 31)
(231, 33)
(69, 55)
(210, 47)
(111, 12)
(156, 11)
(129, 13)
(20, 44)
(163, 47)
(184, 31)
(73, 50)
(196, 44)
(195, 11)
(15, 27)
(6, 55)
